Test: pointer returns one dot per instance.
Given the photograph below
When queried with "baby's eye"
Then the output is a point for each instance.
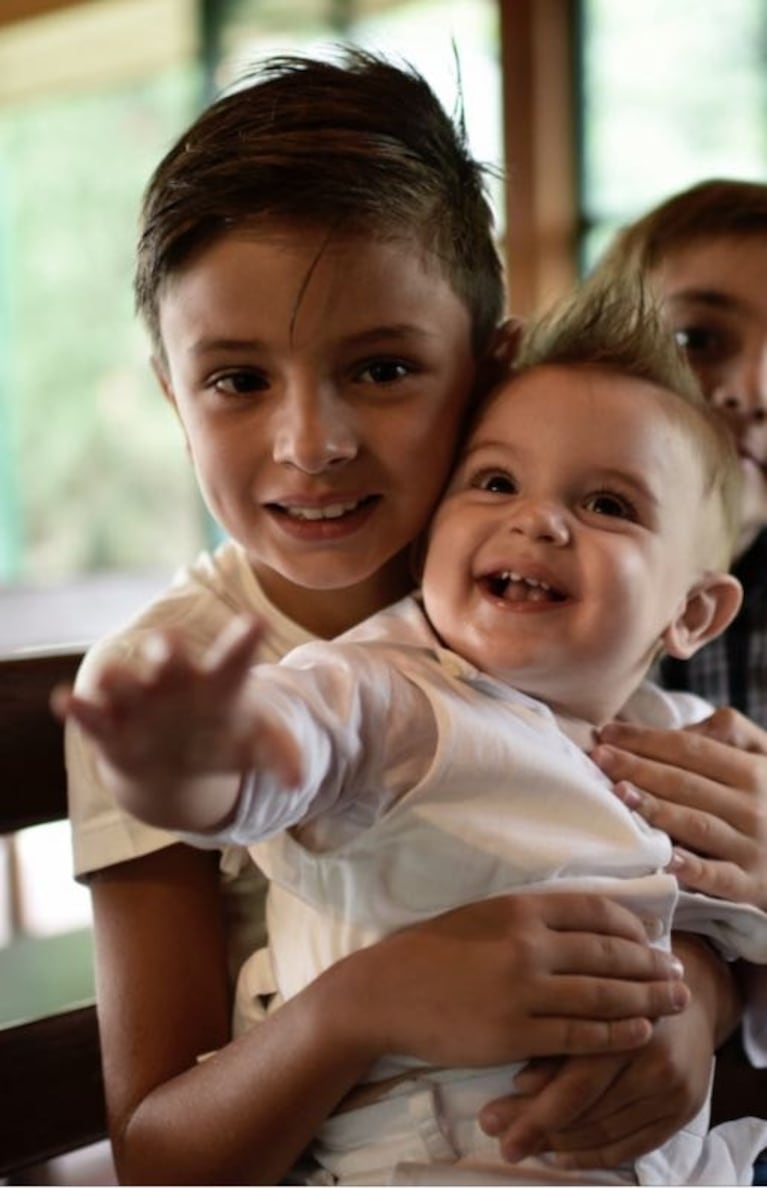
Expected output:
(240, 383)
(384, 371)
(608, 503)
(496, 482)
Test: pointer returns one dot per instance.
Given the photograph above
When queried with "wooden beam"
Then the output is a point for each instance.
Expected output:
(98, 45)
(539, 142)
(32, 774)
(25, 10)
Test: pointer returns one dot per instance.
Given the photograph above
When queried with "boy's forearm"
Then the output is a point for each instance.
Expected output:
(712, 982)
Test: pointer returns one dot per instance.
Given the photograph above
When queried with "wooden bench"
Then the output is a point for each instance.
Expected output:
(51, 1089)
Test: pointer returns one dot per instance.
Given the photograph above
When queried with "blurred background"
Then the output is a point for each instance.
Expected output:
(592, 110)
(626, 103)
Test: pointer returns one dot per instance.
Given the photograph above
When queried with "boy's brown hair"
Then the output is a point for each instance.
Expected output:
(355, 146)
(718, 207)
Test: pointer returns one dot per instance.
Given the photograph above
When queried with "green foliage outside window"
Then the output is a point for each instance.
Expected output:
(84, 427)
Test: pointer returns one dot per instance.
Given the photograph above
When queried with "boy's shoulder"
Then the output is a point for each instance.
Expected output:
(375, 649)
(404, 623)
(199, 604)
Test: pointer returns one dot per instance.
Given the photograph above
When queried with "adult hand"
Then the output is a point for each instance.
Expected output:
(706, 786)
(509, 978)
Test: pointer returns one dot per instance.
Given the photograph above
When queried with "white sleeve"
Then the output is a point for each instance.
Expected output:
(737, 930)
(348, 710)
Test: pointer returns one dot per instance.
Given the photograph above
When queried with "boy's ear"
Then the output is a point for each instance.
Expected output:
(506, 341)
(163, 380)
(498, 361)
(708, 609)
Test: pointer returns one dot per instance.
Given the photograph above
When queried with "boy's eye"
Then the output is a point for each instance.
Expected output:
(700, 341)
(497, 482)
(240, 383)
(607, 503)
(384, 371)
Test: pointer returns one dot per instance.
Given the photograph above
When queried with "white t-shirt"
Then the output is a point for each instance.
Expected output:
(200, 603)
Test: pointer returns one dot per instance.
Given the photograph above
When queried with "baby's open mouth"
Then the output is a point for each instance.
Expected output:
(513, 587)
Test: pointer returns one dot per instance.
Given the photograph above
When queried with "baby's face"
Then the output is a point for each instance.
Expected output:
(567, 541)
(716, 296)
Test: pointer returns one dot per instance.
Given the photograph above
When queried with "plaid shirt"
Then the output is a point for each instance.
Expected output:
(732, 670)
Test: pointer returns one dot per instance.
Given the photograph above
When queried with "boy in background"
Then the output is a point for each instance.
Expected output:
(704, 251)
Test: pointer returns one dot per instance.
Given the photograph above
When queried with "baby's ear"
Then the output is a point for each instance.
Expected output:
(709, 608)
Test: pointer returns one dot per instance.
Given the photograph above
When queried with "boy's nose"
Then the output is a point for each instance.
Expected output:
(742, 395)
(312, 433)
(541, 520)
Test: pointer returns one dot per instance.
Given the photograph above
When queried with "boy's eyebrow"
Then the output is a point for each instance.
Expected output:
(715, 298)
(396, 332)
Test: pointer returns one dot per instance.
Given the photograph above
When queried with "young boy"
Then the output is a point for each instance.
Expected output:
(437, 753)
(705, 253)
(319, 278)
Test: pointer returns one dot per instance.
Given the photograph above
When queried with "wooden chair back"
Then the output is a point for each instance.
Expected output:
(51, 1088)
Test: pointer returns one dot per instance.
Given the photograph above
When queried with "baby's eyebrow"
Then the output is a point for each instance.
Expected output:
(628, 479)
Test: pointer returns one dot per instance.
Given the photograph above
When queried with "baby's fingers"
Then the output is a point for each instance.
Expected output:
(93, 718)
(235, 651)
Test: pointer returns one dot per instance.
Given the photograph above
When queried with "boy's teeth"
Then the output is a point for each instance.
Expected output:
(331, 512)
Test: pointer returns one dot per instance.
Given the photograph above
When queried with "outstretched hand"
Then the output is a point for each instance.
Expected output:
(706, 786)
(163, 727)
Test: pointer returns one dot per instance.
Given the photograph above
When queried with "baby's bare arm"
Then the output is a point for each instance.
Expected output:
(169, 732)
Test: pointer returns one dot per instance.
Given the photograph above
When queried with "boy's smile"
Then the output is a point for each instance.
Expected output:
(569, 537)
(320, 383)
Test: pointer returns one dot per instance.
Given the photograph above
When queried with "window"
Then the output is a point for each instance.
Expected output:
(93, 475)
(671, 94)
(90, 463)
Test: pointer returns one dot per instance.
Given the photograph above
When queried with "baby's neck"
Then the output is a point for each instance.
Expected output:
(578, 730)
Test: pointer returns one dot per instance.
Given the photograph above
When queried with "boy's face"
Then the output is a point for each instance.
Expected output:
(566, 542)
(716, 295)
(320, 383)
